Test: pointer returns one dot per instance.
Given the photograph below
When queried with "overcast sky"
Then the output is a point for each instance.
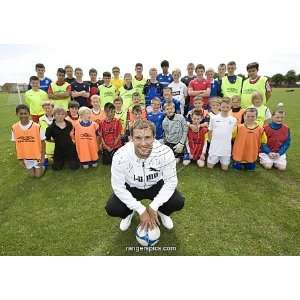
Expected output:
(123, 33)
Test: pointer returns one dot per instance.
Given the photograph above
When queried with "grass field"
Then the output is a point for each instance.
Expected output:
(233, 213)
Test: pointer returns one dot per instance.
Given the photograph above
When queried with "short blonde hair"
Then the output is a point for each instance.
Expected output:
(210, 70)
(226, 100)
(176, 71)
(256, 95)
(83, 110)
(152, 70)
(95, 97)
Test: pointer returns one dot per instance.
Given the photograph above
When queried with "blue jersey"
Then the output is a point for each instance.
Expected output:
(214, 88)
(176, 103)
(44, 84)
(152, 90)
(157, 119)
(164, 79)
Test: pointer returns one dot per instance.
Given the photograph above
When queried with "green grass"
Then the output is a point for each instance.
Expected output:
(233, 213)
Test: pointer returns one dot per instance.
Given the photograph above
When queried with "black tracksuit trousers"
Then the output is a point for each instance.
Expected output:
(116, 208)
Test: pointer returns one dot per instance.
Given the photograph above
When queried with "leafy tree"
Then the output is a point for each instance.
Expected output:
(291, 77)
(278, 79)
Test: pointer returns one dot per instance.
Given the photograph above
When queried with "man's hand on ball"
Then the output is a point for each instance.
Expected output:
(154, 217)
(145, 220)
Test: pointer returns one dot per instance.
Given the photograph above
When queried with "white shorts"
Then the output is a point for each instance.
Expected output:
(265, 159)
(31, 163)
(214, 159)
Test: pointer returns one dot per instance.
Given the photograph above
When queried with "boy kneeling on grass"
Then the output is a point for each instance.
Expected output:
(248, 138)
(273, 153)
(110, 133)
(72, 114)
(97, 114)
(86, 137)
(30, 142)
(59, 133)
(221, 127)
(136, 113)
(45, 121)
(196, 141)
(175, 130)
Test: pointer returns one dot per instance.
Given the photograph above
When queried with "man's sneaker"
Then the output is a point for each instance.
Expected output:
(125, 223)
(166, 220)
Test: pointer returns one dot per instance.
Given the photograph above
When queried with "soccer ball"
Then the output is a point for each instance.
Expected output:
(148, 237)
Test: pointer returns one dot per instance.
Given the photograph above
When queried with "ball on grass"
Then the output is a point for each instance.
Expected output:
(149, 237)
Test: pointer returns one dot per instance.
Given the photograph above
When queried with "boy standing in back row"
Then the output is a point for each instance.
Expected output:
(165, 78)
(44, 81)
(139, 81)
(94, 84)
(60, 90)
(69, 74)
(80, 90)
(231, 84)
(107, 90)
(254, 83)
(199, 87)
(34, 98)
(116, 81)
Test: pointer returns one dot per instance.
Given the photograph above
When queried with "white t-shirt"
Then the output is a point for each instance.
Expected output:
(42, 133)
(222, 128)
(179, 92)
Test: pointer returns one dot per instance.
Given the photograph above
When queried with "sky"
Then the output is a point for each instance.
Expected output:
(123, 33)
